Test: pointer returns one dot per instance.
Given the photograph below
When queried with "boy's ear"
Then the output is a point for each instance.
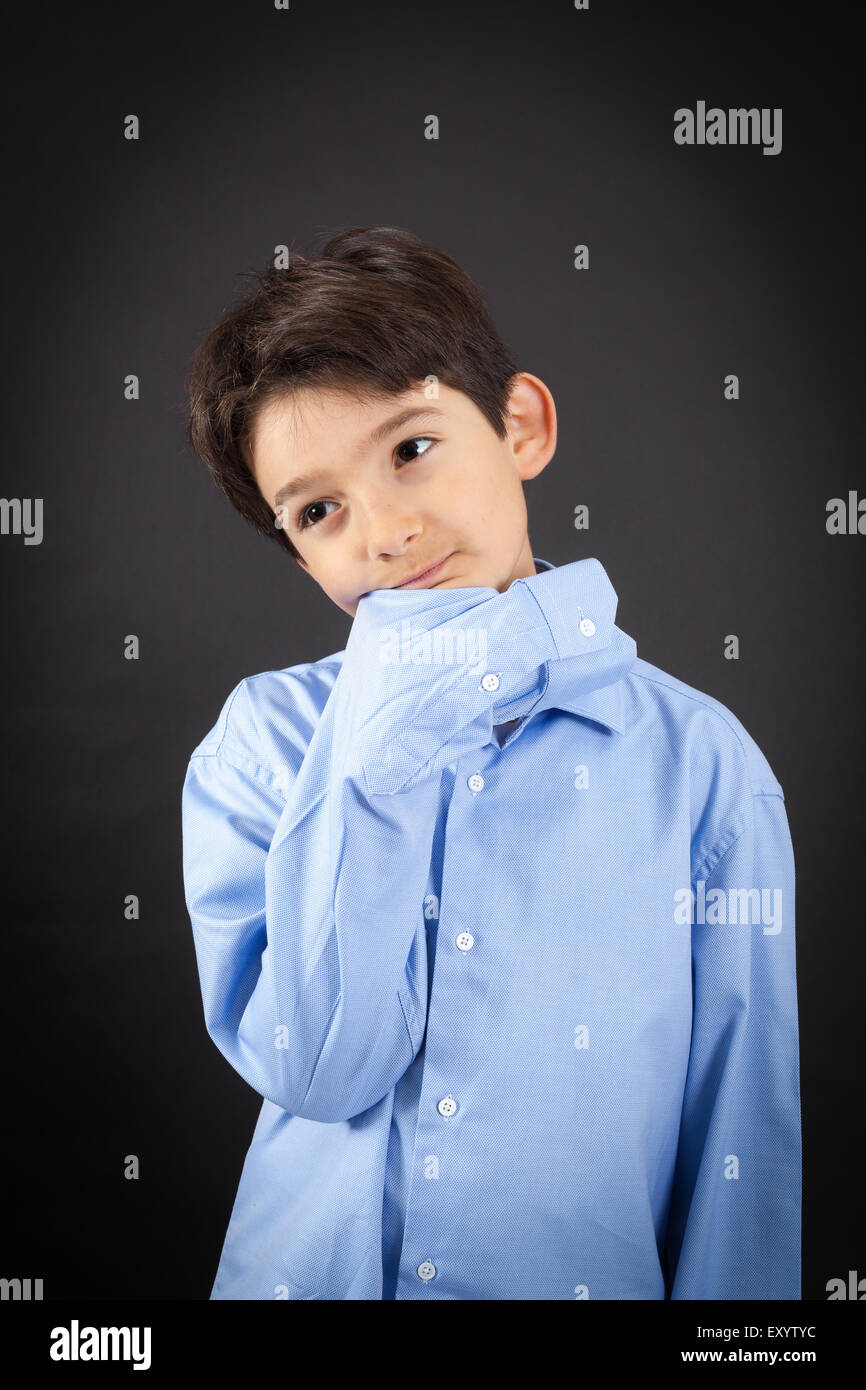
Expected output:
(532, 424)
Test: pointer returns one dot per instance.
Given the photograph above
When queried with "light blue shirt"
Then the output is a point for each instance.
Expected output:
(522, 1008)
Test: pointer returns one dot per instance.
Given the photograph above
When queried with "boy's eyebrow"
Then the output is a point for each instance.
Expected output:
(306, 481)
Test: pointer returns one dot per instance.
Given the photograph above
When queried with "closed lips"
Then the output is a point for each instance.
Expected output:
(421, 574)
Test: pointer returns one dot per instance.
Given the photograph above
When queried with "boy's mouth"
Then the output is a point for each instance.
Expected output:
(424, 576)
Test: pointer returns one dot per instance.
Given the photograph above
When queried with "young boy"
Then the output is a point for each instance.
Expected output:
(496, 917)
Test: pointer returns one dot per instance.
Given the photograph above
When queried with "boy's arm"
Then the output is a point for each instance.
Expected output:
(307, 909)
(308, 927)
(734, 1225)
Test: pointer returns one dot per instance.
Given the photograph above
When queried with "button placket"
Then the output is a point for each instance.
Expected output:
(422, 1210)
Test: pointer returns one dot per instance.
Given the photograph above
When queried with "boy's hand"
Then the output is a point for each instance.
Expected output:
(425, 671)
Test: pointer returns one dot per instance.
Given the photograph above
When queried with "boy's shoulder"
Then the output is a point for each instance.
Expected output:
(267, 719)
(701, 720)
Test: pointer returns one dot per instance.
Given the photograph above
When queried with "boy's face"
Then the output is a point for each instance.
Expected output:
(391, 498)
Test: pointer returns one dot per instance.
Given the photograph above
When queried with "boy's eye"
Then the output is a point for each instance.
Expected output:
(414, 440)
(305, 519)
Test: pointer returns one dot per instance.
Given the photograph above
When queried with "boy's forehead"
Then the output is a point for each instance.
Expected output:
(310, 408)
(300, 420)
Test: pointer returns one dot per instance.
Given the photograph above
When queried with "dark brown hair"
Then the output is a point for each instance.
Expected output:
(374, 312)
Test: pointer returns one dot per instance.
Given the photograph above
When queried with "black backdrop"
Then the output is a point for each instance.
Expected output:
(260, 127)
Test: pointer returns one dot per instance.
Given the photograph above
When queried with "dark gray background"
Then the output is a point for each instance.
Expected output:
(260, 127)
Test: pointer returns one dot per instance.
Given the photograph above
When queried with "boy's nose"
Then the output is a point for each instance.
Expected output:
(392, 533)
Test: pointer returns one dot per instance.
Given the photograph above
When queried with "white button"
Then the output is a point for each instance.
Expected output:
(490, 682)
(587, 627)
(447, 1106)
(465, 941)
(475, 782)
(426, 1270)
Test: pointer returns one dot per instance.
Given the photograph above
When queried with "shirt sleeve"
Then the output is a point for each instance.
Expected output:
(308, 927)
(306, 902)
(734, 1226)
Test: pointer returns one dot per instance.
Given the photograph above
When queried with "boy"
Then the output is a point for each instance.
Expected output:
(496, 917)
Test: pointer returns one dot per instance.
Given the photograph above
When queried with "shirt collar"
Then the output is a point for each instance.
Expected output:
(587, 679)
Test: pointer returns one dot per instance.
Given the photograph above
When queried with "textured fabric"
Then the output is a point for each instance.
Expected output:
(523, 1016)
